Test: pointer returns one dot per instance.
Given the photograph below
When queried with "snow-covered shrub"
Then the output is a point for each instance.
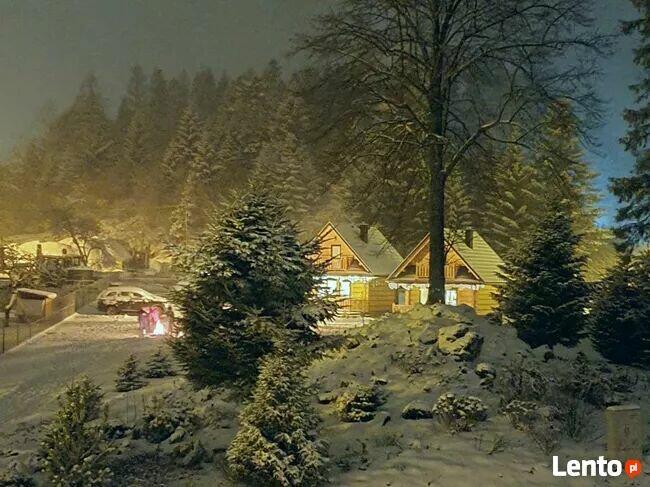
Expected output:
(129, 377)
(545, 434)
(521, 381)
(358, 403)
(160, 419)
(585, 382)
(459, 413)
(158, 366)
(12, 478)
(86, 394)
(522, 414)
(276, 444)
(251, 280)
(575, 417)
(74, 451)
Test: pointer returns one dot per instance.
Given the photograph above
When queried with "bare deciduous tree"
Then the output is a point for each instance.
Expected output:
(436, 79)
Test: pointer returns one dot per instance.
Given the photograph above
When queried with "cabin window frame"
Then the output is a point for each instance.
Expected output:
(336, 255)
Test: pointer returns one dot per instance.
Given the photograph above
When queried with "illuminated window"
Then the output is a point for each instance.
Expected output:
(345, 289)
(332, 285)
(451, 297)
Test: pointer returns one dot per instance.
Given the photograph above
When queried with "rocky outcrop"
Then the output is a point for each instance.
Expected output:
(459, 342)
(417, 410)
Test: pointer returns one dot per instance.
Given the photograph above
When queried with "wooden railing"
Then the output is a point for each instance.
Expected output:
(402, 308)
(422, 270)
(341, 263)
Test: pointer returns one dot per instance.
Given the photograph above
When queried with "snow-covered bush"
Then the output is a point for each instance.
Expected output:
(160, 419)
(522, 414)
(545, 434)
(358, 403)
(521, 381)
(12, 478)
(276, 444)
(584, 382)
(459, 413)
(158, 366)
(251, 280)
(129, 377)
(74, 451)
(86, 394)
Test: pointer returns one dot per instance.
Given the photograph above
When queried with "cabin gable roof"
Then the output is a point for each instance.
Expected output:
(480, 258)
(377, 256)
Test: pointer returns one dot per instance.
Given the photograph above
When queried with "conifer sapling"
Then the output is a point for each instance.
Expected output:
(129, 377)
(276, 444)
(158, 366)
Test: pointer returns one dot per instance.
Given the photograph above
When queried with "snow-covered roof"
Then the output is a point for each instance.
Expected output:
(35, 292)
(49, 248)
(481, 259)
(377, 254)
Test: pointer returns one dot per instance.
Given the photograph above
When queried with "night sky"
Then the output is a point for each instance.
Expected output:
(47, 46)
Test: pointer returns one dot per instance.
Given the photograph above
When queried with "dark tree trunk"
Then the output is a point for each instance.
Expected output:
(437, 180)
(436, 227)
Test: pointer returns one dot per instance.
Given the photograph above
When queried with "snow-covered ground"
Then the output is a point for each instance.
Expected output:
(32, 375)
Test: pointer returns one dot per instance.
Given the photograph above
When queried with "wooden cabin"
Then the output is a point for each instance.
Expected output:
(471, 274)
(359, 258)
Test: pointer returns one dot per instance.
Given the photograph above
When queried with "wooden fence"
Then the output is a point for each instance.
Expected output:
(13, 334)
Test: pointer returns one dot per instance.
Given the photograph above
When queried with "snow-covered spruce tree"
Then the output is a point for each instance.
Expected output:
(633, 191)
(184, 215)
(545, 295)
(513, 204)
(276, 444)
(129, 377)
(73, 451)
(183, 151)
(621, 313)
(458, 211)
(158, 366)
(561, 168)
(250, 280)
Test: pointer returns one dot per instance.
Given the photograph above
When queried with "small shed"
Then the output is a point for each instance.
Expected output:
(32, 304)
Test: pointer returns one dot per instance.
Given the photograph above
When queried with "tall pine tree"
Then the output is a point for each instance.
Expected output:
(82, 142)
(458, 211)
(634, 190)
(160, 112)
(544, 295)
(133, 101)
(183, 150)
(513, 205)
(204, 96)
(136, 161)
(284, 168)
(562, 170)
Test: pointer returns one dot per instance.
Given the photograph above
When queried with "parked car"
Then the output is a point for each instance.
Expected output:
(127, 300)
